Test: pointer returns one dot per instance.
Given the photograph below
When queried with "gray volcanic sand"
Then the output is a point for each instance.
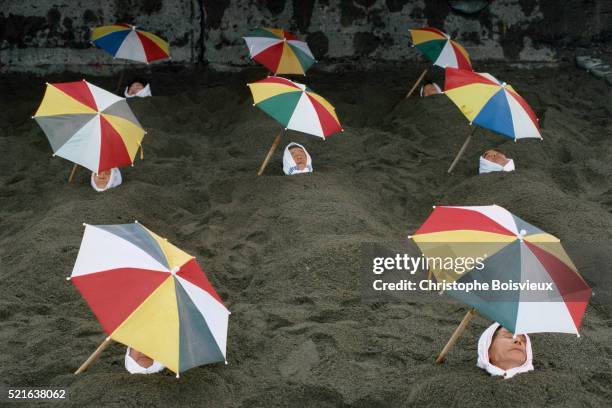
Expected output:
(285, 252)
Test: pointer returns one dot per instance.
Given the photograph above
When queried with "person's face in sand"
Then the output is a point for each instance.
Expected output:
(506, 351)
(496, 156)
(429, 90)
(135, 88)
(142, 359)
(299, 157)
(101, 179)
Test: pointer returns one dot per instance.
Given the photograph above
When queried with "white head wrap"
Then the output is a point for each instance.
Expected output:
(289, 166)
(113, 181)
(483, 355)
(134, 368)
(438, 89)
(487, 166)
(143, 93)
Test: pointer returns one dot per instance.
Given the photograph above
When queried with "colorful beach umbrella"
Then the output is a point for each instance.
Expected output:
(279, 51)
(129, 42)
(514, 251)
(295, 106)
(89, 126)
(150, 295)
(491, 103)
(438, 47)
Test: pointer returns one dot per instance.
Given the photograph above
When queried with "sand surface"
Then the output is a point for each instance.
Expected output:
(285, 252)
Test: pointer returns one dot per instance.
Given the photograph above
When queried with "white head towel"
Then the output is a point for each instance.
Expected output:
(134, 368)
(143, 93)
(483, 355)
(487, 166)
(114, 180)
(289, 166)
(435, 86)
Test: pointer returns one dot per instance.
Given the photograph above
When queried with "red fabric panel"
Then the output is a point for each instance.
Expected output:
(113, 152)
(328, 122)
(79, 91)
(152, 51)
(270, 57)
(191, 272)
(455, 78)
(452, 219)
(113, 295)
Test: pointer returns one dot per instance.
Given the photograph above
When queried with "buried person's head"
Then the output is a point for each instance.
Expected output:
(430, 88)
(296, 159)
(106, 179)
(495, 160)
(137, 87)
(502, 353)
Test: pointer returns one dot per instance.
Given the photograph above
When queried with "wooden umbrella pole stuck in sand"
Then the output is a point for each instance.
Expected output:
(121, 75)
(462, 150)
(418, 81)
(74, 168)
(94, 355)
(271, 151)
(458, 331)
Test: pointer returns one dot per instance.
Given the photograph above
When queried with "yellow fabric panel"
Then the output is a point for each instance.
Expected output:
(56, 102)
(420, 36)
(131, 134)
(289, 63)
(276, 31)
(153, 328)
(471, 98)
(264, 91)
(104, 30)
(541, 237)
(462, 50)
(325, 104)
(160, 43)
(175, 257)
(462, 236)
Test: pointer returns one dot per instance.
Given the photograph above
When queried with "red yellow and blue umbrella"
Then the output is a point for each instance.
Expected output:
(491, 103)
(513, 251)
(150, 295)
(129, 42)
(437, 46)
(279, 51)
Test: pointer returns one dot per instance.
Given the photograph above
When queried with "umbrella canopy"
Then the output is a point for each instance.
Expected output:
(150, 295)
(295, 106)
(89, 126)
(279, 51)
(129, 42)
(513, 250)
(440, 49)
(491, 104)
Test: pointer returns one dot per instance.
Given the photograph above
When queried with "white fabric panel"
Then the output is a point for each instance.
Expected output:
(498, 214)
(447, 57)
(258, 44)
(215, 314)
(101, 251)
(523, 126)
(131, 48)
(532, 270)
(302, 46)
(540, 317)
(305, 118)
(103, 98)
(83, 147)
(489, 77)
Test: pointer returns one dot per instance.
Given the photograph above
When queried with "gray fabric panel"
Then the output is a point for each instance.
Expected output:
(122, 109)
(138, 235)
(60, 128)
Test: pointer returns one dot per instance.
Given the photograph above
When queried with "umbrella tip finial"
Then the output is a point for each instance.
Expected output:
(135, 221)
(178, 376)
(433, 206)
(67, 278)
(409, 236)
(578, 335)
(225, 362)
(84, 224)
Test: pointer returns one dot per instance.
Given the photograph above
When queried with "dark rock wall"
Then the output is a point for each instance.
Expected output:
(37, 33)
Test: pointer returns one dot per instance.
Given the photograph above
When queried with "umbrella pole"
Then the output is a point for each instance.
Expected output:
(458, 331)
(270, 152)
(121, 75)
(72, 173)
(418, 81)
(94, 355)
(462, 150)
(141, 152)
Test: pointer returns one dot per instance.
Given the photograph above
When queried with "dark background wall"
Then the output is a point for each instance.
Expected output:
(43, 35)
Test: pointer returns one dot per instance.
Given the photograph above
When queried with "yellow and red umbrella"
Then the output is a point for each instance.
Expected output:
(150, 295)
(89, 126)
(130, 42)
(279, 51)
